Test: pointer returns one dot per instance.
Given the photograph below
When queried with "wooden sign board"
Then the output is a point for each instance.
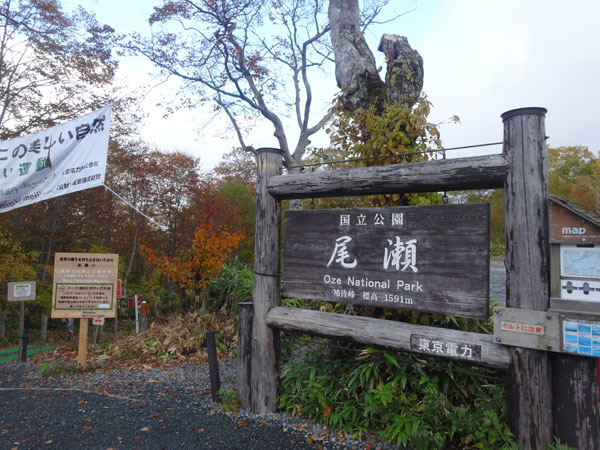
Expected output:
(554, 331)
(84, 285)
(23, 290)
(526, 328)
(431, 259)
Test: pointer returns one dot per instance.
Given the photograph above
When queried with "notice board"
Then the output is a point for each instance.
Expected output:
(84, 285)
(431, 259)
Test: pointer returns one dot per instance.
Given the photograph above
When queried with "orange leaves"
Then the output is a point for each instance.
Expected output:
(204, 258)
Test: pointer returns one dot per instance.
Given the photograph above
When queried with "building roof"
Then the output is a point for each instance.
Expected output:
(584, 214)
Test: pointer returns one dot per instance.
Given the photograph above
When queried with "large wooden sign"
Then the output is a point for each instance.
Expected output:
(423, 258)
(84, 285)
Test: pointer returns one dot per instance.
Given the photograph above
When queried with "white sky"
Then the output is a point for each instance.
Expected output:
(481, 58)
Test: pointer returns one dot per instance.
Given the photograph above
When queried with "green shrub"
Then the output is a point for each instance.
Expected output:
(229, 400)
(405, 399)
(496, 249)
(233, 284)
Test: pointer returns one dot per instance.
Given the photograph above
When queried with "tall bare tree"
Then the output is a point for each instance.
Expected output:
(253, 59)
(53, 65)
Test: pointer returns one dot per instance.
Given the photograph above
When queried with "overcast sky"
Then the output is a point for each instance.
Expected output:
(481, 58)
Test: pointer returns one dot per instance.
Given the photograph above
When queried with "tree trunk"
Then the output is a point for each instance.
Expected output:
(355, 70)
(404, 73)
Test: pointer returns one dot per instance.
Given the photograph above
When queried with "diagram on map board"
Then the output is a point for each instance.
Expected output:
(580, 261)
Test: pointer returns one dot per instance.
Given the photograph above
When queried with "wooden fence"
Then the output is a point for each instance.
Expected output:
(537, 379)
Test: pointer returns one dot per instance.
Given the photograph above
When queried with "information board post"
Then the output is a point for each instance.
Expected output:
(21, 328)
(20, 292)
(84, 288)
(83, 342)
(24, 338)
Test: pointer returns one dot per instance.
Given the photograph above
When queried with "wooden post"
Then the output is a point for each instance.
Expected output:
(44, 329)
(21, 326)
(24, 340)
(116, 329)
(576, 399)
(143, 323)
(95, 335)
(527, 261)
(83, 341)
(136, 308)
(265, 341)
(2, 325)
(70, 324)
(213, 365)
(244, 352)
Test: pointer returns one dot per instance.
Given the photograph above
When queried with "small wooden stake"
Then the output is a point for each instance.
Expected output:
(83, 341)
(244, 353)
(213, 365)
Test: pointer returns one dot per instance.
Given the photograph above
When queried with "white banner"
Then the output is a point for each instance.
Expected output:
(76, 150)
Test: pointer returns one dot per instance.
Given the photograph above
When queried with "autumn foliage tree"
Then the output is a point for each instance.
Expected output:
(574, 173)
(193, 268)
(397, 134)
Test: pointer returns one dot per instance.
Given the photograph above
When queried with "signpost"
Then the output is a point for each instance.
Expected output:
(548, 391)
(423, 258)
(20, 292)
(84, 287)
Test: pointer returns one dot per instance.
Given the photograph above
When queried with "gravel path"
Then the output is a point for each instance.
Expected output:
(167, 408)
(497, 280)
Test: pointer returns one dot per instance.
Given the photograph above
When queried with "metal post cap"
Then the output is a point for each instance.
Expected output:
(524, 111)
(269, 150)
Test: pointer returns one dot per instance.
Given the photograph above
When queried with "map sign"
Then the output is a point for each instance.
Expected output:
(581, 262)
(84, 285)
